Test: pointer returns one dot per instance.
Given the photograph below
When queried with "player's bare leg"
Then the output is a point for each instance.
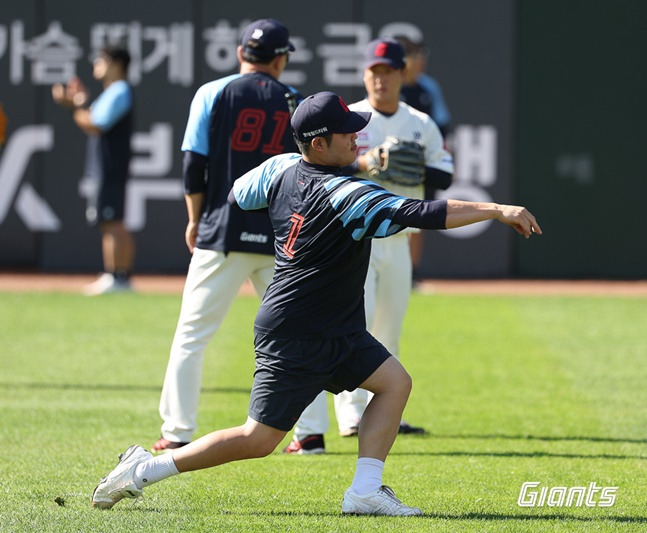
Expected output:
(391, 385)
(137, 468)
(118, 247)
(248, 441)
(377, 431)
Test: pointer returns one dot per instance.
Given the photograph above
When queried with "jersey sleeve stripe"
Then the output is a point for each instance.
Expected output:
(251, 189)
(332, 183)
(364, 206)
(360, 206)
(385, 227)
(346, 187)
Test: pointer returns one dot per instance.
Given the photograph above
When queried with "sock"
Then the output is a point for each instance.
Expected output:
(368, 475)
(154, 470)
(121, 274)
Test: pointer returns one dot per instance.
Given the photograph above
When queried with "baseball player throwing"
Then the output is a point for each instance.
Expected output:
(310, 331)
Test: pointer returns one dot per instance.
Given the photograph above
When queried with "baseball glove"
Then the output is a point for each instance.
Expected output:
(397, 161)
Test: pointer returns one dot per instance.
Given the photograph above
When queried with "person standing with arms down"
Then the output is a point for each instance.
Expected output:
(310, 330)
(235, 123)
(388, 283)
(108, 122)
(419, 89)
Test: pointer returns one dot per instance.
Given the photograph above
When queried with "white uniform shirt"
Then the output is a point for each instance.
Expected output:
(407, 124)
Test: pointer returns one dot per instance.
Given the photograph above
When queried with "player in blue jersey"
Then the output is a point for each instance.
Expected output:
(422, 92)
(310, 331)
(108, 122)
(235, 123)
(419, 90)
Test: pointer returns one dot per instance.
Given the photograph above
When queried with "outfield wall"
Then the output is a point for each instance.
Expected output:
(177, 46)
(581, 122)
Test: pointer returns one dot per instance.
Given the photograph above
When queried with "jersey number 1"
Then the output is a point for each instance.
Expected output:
(295, 228)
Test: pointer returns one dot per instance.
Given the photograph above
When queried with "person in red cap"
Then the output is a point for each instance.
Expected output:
(310, 330)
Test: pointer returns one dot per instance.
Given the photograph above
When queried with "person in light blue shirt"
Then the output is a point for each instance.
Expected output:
(419, 89)
(108, 122)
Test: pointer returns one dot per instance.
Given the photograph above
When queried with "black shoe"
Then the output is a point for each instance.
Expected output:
(310, 444)
(350, 432)
(408, 429)
(164, 445)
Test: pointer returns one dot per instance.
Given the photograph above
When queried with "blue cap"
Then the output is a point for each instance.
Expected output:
(266, 39)
(384, 52)
(324, 113)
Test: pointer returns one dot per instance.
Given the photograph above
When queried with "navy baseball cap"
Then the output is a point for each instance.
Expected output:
(384, 52)
(325, 113)
(266, 39)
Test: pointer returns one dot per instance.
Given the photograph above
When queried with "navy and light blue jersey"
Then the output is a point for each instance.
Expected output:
(115, 102)
(237, 122)
(108, 155)
(426, 95)
(322, 224)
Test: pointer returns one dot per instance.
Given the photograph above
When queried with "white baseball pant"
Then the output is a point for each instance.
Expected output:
(212, 283)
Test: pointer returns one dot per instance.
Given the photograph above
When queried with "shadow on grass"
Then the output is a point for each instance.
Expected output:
(550, 438)
(529, 517)
(114, 387)
(610, 456)
(467, 516)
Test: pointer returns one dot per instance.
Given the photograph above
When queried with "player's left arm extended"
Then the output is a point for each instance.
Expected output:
(461, 213)
(370, 211)
(447, 214)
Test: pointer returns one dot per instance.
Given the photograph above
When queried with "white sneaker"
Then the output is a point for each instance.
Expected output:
(106, 284)
(120, 483)
(379, 502)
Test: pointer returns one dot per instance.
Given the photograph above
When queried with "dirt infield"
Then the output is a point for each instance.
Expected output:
(172, 284)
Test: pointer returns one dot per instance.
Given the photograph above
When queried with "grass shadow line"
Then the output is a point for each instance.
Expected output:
(510, 454)
(113, 387)
(549, 438)
(493, 517)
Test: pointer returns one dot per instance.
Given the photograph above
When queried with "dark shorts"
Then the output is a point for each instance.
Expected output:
(107, 204)
(291, 372)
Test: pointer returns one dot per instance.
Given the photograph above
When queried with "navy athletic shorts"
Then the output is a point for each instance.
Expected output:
(291, 372)
(107, 204)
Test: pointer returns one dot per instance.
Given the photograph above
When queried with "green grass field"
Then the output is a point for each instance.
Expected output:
(512, 390)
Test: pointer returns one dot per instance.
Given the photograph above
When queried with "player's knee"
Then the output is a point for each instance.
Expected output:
(401, 383)
(261, 440)
(259, 448)
(405, 383)
(266, 448)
